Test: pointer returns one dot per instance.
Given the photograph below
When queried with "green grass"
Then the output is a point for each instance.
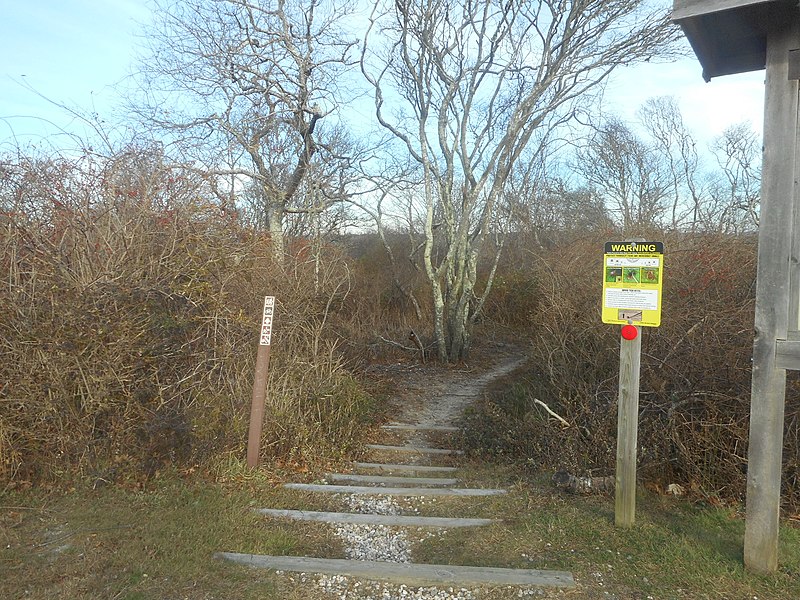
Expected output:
(675, 550)
(159, 542)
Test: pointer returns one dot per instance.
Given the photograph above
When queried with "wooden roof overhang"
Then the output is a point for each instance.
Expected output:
(730, 36)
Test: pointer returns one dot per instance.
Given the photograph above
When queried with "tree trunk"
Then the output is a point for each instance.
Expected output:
(583, 485)
(452, 330)
(460, 296)
(459, 334)
(275, 224)
(438, 321)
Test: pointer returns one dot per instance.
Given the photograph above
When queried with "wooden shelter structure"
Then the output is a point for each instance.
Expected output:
(730, 36)
(735, 36)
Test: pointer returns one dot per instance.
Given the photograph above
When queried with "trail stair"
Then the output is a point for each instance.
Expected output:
(393, 491)
(413, 427)
(392, 468)
(407, 573)
(409, 480)
(373, 519)
(390, 479)
(414, 449)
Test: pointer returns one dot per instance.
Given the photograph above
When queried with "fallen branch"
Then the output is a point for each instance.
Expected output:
(413, 337)
(583, 485)
(417, 348)
(553, 414)
(398, 344)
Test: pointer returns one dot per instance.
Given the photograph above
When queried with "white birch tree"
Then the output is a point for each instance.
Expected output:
(463, 85)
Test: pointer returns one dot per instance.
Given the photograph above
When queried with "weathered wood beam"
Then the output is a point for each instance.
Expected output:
(778, 196)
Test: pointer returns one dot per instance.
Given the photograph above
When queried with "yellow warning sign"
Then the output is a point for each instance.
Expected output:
(632, 280)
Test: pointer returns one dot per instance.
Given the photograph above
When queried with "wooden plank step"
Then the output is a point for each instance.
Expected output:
(392, 491)
(370, 519)
(384, 479)
(413, 449)
(412, 427)
(388, 468)
(407, 573)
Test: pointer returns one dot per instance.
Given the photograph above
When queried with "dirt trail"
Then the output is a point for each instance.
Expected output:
(434, 398)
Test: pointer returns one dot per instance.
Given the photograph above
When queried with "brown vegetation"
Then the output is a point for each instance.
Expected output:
(130, 302)
(131, 296)
(695, 374)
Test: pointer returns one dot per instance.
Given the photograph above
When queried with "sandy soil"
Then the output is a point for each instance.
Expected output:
(436, 395)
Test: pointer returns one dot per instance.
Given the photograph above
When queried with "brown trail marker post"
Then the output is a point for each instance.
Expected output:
(735, 36)
(632, 283)
(260, 384)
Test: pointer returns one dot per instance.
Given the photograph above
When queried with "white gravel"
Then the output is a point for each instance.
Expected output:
(375, 542)
(345, 588)
(371, 505)
(379, 543)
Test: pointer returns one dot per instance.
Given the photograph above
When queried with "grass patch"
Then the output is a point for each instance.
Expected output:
(159, 543)
(675, 550)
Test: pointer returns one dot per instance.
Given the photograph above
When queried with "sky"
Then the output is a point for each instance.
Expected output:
(79, 52)
(73, 52)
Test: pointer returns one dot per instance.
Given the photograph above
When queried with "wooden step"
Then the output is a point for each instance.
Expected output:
(406, 573)
(413, 449)
(412, 427)
(370, 519)
(388, 479)
(392, 491)
(389, 468)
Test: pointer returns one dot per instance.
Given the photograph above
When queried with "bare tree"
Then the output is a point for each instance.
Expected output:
(463, 85)
(736, 195)
(678, 153)
(627, 173)
(243, 87)
(547, 207)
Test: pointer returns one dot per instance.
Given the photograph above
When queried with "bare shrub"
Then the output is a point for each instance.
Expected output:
(695, 374)
(131, 303)
(384, 302)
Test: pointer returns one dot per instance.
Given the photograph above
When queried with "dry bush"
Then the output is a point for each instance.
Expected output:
(381, 308)
(392, 298)
(695, 374)
(131, 302)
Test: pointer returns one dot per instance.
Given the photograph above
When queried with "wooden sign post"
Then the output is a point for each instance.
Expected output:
(632, 283)
(736, 36)
(630, 356)
(260, 384)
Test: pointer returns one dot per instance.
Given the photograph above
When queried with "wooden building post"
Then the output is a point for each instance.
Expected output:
(778, 199)
(736, 36)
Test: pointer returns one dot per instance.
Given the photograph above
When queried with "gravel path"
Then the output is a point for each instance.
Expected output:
(430, 403)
